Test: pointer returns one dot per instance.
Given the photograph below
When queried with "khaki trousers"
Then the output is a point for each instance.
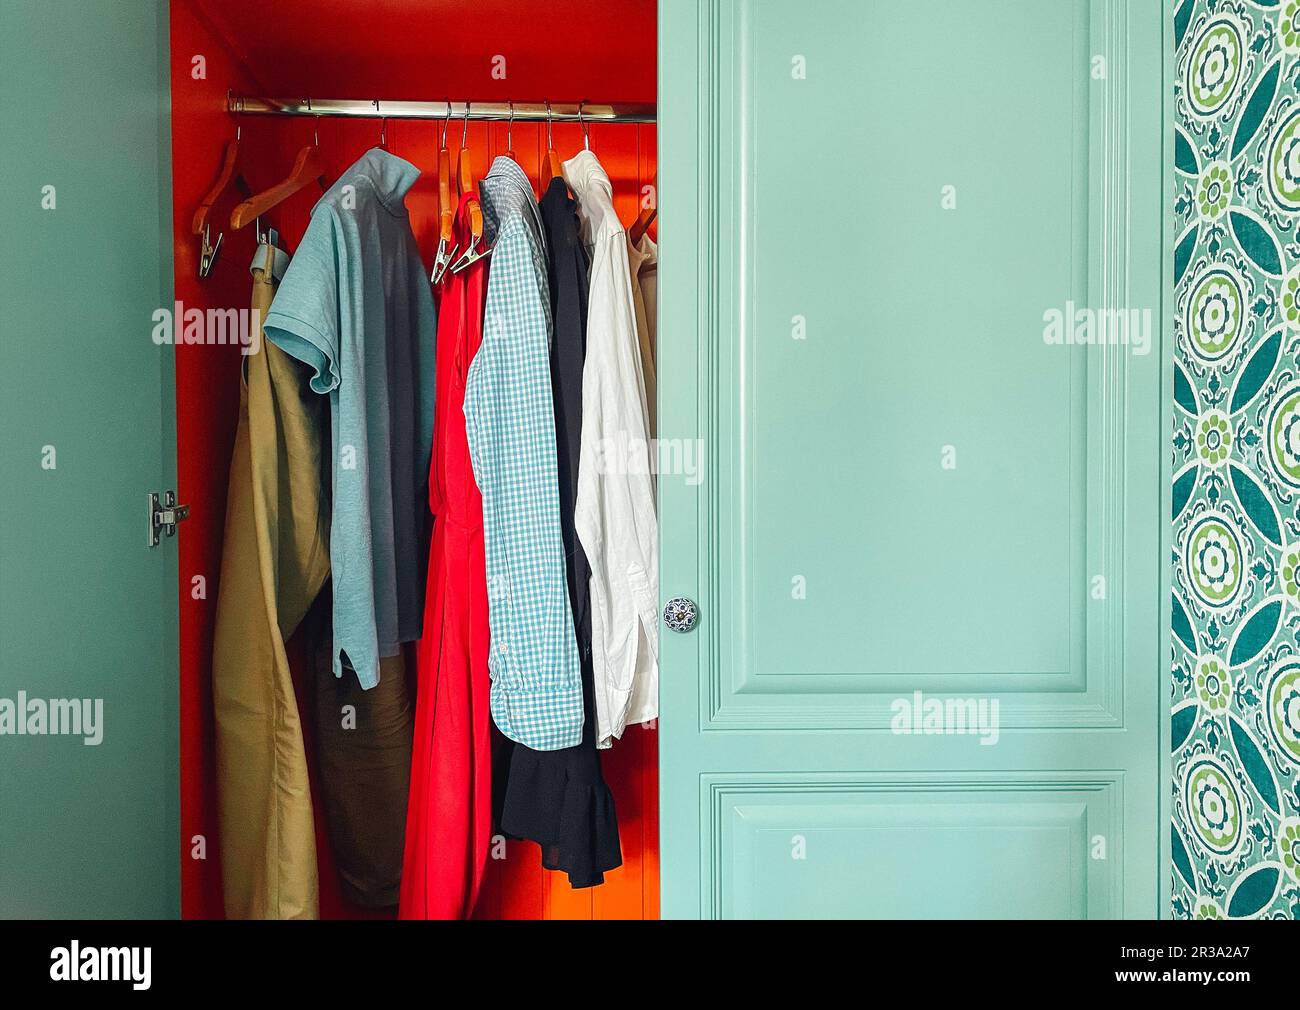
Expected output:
(275, 560)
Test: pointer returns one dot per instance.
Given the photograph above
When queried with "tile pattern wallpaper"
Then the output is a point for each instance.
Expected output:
(1236, 451)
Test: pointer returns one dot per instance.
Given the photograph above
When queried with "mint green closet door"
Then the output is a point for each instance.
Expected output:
(928, 541)
(88, 611)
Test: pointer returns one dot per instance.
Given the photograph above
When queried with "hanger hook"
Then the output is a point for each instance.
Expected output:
(315, 123)
(550, 141)
(464, 133)
(233, 108)
(445, 122)
(510, 127)
(586, 140)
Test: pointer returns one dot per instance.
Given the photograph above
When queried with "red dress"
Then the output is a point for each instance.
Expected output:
(449, 817)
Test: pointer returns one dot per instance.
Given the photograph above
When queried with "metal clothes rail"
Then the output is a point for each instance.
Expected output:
(557, 112)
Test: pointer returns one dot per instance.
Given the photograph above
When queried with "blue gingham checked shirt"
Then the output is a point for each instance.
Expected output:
(510, 422)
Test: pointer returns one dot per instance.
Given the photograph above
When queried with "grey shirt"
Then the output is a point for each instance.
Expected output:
(355, 305)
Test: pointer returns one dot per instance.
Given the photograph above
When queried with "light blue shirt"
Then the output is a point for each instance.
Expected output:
(355, 305)
(536, 696)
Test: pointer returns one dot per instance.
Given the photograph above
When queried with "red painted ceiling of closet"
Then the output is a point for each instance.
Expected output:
(563, 50)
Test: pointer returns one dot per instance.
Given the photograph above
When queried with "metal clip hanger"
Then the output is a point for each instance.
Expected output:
(446, 212)
(229, 174)
(209, 251)
(474, 251)
(471, 256)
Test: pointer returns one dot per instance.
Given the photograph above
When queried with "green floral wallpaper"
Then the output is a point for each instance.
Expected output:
(1236, 446)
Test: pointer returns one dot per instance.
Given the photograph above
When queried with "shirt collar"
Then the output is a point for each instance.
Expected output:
(506, 190)
(508, 170)
(388, 175)
(584, 174)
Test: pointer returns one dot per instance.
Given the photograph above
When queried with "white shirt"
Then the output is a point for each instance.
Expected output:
(615, 507)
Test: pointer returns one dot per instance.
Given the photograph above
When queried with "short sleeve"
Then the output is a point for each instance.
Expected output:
(304, 317)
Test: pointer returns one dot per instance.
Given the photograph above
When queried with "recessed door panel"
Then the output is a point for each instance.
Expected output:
(896, 383)
(910, 847)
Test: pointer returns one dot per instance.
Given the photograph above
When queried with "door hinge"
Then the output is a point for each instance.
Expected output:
(164, 514)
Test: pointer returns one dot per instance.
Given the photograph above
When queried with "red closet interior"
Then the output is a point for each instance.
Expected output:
(428, 50)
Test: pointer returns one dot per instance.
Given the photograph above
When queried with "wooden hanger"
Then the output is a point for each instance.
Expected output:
(645, 218)
(465, 181)
(552, 157)
(446, 210)
(307, 166)
(228, 174)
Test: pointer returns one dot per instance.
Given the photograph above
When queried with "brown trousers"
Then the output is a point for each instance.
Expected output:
(363, 746)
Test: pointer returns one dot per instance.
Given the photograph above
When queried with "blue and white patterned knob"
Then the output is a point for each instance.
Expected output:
(680, 614)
